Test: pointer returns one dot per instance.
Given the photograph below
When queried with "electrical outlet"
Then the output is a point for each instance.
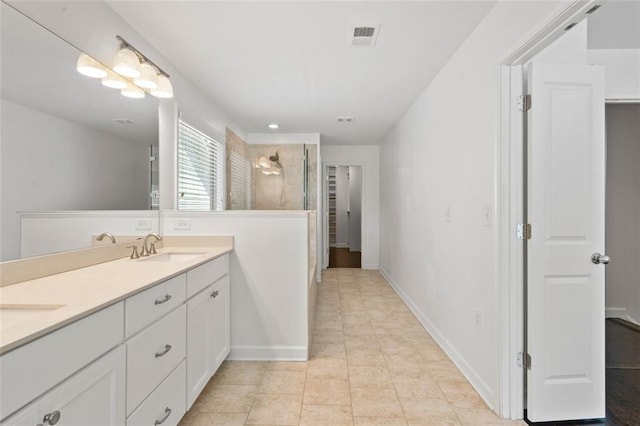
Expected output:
(182, 224)
(487, 216)
(478, 318)
(143, 224)
(447, 214)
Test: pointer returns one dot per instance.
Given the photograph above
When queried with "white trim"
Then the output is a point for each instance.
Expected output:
(363, 210)
(615, 313)
(90, 213)
(510, 181)
(341, 245)
(283, 138)
(268, 353)
(480, 386)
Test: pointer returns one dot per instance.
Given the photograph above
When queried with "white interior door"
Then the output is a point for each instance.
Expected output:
(566, 201)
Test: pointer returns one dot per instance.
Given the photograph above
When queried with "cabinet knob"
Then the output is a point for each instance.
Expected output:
(165, 416)
(214, 294)
(52, 418)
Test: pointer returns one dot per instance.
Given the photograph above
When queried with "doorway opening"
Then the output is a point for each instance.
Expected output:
(344, 216)
(516, 158)
(622, 275)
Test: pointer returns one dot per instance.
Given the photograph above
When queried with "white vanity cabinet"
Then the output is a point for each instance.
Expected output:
(208, 333)
(143, 360)
(93, 396)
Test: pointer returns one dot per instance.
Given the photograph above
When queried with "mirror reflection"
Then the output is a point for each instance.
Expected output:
(67, 142)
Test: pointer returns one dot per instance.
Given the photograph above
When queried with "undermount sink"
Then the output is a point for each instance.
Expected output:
(172, 257)
(14, 314)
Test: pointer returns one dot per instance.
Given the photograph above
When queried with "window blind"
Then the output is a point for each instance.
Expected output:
(240, 182)
(200, 170)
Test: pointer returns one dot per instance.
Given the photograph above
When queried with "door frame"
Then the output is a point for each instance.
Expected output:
(510, 210)
(325, 209)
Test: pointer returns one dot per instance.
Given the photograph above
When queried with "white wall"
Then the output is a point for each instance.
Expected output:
(368, 157)
(355, 207)
(54, 232)
(442, 155)
(342, 204)
(622, 76)
(623, 212)
(269, 278)
(106, 172)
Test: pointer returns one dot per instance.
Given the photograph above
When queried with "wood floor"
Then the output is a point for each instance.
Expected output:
(622, 376)
(623, 372)
(343, 258)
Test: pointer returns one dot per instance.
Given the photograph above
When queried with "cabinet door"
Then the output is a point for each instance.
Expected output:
(94, 396)
(29, 416)
(199, 343)
(221, 322)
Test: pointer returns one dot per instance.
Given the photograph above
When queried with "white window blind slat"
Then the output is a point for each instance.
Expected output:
(200, 170)
(240, 184)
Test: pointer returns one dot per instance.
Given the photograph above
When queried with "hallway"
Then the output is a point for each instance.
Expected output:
(372, 363)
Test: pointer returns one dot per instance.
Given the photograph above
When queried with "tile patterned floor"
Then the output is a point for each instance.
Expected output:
(372, 363)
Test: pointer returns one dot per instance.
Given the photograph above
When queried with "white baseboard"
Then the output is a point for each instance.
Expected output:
(370, 266)
(615, 313)
(342, 245)
(268, 353)
(469, 373)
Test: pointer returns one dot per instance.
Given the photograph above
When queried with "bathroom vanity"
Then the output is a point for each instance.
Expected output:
(120, 342)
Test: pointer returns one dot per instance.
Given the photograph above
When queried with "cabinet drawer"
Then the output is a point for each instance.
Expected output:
(144, 308)
(36, 367)
(153, 354)
(166, 405)
(204, 275)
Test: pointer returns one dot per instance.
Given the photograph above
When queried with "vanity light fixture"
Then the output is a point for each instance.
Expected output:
(264, 162)
(132, 91)
(269, 166)
(126, 63)
(164, 89)
(114, 81)
(148, 78)
(88, 66)
(273, 126)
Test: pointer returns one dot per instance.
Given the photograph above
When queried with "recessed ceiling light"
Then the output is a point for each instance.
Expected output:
(273, 126)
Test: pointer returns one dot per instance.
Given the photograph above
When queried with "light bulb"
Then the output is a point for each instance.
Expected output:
(126, 63)
(88, 66)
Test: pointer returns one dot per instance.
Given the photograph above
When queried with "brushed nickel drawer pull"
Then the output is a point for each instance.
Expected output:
(52, 418)
(161, 301)
(163, 352)
(167, 413)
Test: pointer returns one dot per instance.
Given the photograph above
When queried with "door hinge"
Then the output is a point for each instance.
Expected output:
(524, 103)
(523, 231)
(524, 360)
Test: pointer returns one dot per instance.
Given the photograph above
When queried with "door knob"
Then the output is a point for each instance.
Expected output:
(598, 258)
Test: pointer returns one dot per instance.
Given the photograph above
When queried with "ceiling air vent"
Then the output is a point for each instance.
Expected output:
(122, 121)
(345, 119)
(362, 35)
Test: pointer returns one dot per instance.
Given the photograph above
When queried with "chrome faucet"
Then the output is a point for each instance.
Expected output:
(146, 250)
(108, 235)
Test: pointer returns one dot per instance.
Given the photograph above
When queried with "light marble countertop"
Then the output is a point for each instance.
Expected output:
(83, 291)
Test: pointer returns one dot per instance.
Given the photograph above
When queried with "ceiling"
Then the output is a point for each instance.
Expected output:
(616, 25)
(289, 62)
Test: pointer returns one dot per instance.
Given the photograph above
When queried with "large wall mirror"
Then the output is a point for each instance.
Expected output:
(67, 142)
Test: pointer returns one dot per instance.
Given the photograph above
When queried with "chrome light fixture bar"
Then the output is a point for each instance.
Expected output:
(124, 44)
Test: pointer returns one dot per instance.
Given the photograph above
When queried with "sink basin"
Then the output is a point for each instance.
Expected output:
(172, 257)
(14, 314)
